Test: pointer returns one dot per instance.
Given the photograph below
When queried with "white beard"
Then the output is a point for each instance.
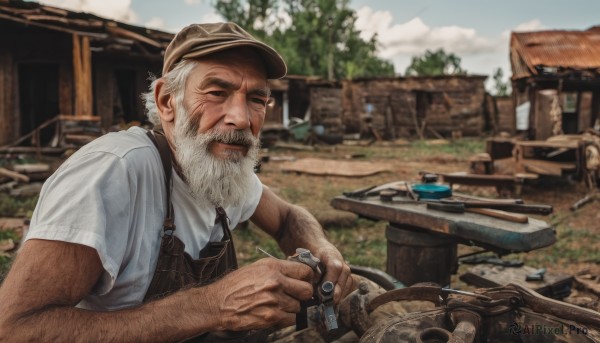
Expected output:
(223, 181)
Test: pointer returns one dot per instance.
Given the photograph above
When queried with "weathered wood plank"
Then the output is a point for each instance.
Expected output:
(473, 227)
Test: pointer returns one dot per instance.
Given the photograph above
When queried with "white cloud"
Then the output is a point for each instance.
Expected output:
(414, 36)
(532, 25)
(211, 17)
(399, 42)
(112, 9)
(192, 2)
(155, 23)
(528, 26)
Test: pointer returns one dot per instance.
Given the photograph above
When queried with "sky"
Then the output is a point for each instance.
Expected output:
(477, 31)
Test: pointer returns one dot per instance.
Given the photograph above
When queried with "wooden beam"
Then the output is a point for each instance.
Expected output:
(66, 84)
(86, 64)
(14, 175)
(132, 35)
(77, 74)
(53, 27)
(82, 75)
(64, 117)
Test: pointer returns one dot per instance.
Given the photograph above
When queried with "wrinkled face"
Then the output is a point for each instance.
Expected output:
(227, 92)
(217, 124)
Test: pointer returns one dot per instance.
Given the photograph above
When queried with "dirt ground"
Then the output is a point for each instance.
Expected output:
(576, 253)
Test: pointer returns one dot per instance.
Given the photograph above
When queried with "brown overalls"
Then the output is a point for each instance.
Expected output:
(176, 269)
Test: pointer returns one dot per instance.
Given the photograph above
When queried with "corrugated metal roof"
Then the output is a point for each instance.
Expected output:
(577, 50)
(105, 33)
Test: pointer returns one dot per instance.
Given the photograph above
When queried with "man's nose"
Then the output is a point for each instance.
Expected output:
(237, 112)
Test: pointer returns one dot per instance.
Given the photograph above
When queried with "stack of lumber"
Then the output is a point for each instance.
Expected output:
(24, 179)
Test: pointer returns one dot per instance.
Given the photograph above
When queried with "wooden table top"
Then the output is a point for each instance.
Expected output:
(467, 227)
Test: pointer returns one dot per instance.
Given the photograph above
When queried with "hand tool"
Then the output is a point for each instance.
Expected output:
(264, 252)
(326, 296)
(410, 192)
(360, 193)
(517, 218)
(460, 208)
(519, 208)
(462, 196)
(322, 294)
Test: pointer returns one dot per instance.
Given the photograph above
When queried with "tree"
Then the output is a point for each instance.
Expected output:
(435, 63)
(316, 37)
(501, 87)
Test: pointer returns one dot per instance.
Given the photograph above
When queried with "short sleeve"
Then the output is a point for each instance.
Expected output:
(87, 201)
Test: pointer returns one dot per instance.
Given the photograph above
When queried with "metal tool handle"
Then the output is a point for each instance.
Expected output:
(519, 208)
(324, 292)
(326, 295)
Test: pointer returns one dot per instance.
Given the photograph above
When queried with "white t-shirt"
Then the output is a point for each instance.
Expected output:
(110, 195)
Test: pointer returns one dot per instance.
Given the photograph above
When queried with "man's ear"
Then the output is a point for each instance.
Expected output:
(164, 102)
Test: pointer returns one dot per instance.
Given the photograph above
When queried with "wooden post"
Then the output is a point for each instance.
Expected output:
(415, 255)
(86, 65)
(82, 75)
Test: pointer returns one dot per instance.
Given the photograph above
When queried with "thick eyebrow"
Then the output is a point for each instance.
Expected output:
(262, 92)
(215, 81)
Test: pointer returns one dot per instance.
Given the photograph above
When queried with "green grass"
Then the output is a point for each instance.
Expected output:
(363, 245)
(573, 245)
(5, 262)
(9, 234)
(7, 258)
(16, 207)
(12, 207)
(421, 149)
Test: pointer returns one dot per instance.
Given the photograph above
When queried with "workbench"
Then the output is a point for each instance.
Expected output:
(422, 242)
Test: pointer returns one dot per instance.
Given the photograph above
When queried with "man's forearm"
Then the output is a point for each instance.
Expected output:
(300, 230)
(182, 315)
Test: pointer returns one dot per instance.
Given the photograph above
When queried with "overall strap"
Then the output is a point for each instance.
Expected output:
(222, 217)
(160, 141)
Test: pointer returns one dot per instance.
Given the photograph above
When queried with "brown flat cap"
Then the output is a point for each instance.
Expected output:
(198, 40)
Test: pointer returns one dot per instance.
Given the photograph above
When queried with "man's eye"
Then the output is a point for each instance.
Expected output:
(217, 93)
(259, 101)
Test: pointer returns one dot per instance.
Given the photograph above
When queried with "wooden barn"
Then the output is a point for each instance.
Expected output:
(297, 98)
(58, 65)
(501, 114)
(556, 81)
(436, 106)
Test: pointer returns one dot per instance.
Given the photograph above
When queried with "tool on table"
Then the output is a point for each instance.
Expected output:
(519, 208)
(360, 193)
(429, 177)
(410, 192)
(459, 207)
(432, 191)
(513, 217)
(322, 295)
(462, 196)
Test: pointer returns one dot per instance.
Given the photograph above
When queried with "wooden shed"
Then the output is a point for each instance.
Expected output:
(556, 81)
(500, 114)
(306, 97)
(56, 63)
(415, 106)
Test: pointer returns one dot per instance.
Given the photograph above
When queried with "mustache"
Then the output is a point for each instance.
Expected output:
(237, 137)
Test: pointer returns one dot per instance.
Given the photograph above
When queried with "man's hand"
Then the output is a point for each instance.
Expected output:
(336, 270)
(294, 227)
(263, 294)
